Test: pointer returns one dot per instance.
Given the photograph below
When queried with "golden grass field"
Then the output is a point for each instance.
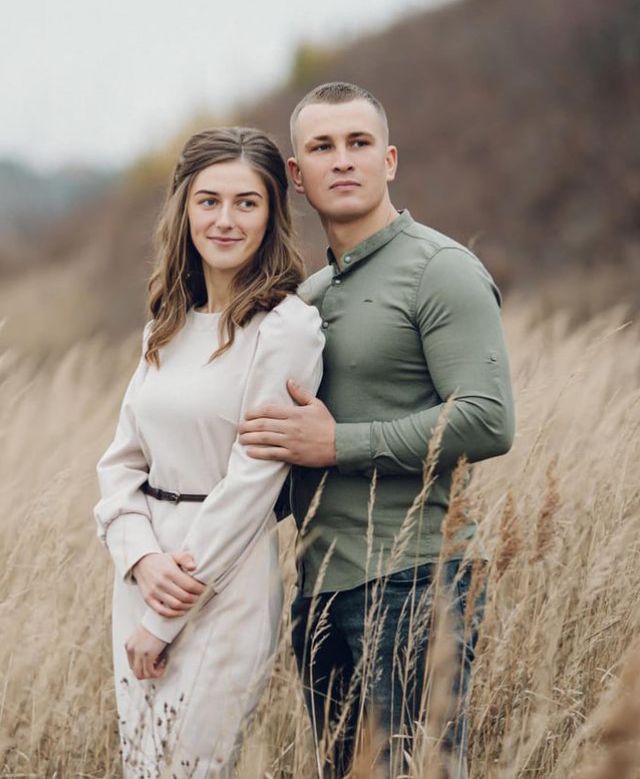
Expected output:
(556, 689)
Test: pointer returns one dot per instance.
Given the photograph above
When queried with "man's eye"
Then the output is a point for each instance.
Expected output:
(361, 142)
(321, 147)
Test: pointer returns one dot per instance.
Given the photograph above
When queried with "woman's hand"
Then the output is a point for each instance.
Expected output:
(143, 653)
(165, 586)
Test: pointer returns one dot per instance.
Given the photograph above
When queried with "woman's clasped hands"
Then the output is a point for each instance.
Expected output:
(170, 591)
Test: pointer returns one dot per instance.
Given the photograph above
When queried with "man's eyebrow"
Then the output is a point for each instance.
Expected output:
(240, 194)
(353, 134)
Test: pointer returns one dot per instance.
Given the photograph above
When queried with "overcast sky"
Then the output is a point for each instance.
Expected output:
(83, 81)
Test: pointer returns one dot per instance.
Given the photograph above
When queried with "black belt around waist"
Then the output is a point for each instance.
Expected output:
(174, 497)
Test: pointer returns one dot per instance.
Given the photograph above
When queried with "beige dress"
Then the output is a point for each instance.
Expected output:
(178, 429)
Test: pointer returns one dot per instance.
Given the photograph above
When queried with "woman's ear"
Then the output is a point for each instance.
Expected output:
(296, 175)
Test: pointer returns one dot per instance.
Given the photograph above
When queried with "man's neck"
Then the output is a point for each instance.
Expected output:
(343, 236)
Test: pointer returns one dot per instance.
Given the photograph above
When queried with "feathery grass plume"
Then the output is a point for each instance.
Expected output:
(415, 514)
(479, 572)
(456, 517)
(437, 710)
(545, 524)
(55, 576)
(370, 504)
(510, 539)
(313, 506)
(366, 763)
(614, 749)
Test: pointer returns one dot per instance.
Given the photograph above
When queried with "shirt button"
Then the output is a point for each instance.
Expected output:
(325, 324)
(347, 259)
(493, 357)
(337, 281)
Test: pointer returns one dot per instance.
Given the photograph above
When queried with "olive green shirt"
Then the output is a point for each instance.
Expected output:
(411, 318)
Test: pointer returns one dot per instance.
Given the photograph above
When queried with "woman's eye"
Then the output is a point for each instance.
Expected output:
(209, 201)
(247, 203)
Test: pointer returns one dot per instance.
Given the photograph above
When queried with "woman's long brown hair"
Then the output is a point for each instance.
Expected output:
(177, 282)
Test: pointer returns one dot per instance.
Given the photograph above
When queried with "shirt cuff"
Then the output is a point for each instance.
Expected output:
(353, 447)
(164, 628)
(167, 628)
(129, 538)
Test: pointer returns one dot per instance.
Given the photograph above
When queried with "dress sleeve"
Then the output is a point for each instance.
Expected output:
(231, 519)
(458, 318)
(122, 513)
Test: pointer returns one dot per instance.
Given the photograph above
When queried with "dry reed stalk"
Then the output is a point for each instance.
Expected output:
(456, 517)
(414, 515)
(366, 762)
(55, 660)
(545, 524)
(614, 749)
(430, 759)
(510, 538)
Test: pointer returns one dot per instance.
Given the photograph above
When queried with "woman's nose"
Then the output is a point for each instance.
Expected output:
(224, 217)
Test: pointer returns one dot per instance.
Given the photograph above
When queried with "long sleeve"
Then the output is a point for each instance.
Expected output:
(289, 345)
(122, 513)
(457, 313)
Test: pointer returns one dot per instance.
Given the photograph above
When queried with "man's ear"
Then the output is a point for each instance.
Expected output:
(296, 175)
(391, 162)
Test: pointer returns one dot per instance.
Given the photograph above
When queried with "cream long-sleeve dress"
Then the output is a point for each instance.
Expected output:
(178, 429)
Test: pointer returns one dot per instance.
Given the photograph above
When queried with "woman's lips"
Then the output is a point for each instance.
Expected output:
(224, 241)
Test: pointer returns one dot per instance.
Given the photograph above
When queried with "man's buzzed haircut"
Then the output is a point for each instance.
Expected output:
(336, 92)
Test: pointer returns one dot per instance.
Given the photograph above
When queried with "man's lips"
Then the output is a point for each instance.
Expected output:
(345, 184)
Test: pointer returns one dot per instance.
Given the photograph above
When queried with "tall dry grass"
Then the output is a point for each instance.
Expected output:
(555, 690)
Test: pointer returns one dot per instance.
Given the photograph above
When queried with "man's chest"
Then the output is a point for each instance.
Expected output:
(368, 318)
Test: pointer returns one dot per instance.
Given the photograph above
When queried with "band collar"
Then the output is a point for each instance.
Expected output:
(370, 244)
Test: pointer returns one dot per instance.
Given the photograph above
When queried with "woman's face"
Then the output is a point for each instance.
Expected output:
(228, 211)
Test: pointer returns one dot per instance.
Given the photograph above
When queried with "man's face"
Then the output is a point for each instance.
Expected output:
(343, 162)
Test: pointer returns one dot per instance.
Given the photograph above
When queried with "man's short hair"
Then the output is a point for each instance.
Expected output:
(335, 92)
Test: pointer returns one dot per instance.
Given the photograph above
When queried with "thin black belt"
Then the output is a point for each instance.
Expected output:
(174, 497)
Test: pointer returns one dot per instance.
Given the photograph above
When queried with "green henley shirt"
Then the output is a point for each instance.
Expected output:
(411, 318)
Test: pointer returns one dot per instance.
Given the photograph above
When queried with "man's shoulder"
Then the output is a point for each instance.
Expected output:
(313, 286)
(433, 240)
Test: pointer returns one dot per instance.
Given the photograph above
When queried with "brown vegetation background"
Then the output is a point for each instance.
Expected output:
(518, 127)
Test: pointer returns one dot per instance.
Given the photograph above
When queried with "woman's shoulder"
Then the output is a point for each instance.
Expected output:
(292, 318)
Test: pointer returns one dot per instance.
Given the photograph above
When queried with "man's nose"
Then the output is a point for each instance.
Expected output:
(342, 160)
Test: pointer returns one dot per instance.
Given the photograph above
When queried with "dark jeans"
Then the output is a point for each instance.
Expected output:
(384, 676)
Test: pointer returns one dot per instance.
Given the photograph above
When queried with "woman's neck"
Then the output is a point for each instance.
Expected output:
(218, 291)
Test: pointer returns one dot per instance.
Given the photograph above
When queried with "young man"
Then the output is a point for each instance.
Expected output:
(411, 320)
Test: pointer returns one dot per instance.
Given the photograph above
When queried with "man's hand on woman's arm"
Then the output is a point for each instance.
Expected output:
(302, 435)
(165, 586)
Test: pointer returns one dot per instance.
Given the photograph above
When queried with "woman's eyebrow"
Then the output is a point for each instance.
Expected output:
(213, 192)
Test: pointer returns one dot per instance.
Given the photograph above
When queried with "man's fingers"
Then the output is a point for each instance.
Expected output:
(270, 411)
(269, 453)
(264, 425)
(301, 396)
(262, 439)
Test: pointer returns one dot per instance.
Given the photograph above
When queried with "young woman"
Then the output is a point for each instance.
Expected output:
(185, 513)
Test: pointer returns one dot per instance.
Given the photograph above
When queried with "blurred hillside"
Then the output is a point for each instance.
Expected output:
(31, 202)
(517, 125)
